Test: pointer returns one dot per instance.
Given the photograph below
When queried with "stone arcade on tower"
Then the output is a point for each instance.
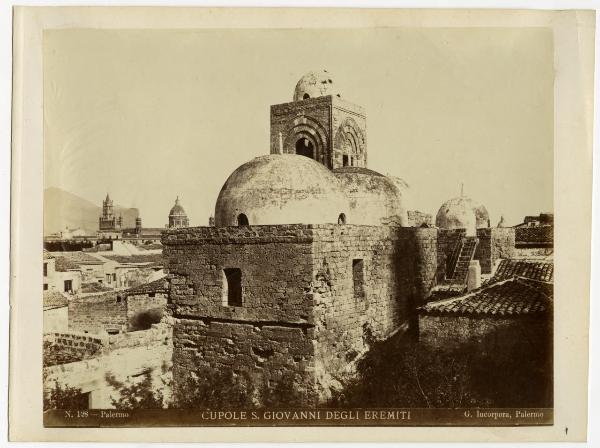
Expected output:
(311, 258)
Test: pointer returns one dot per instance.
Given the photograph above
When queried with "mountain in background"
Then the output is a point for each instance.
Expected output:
(63, 209)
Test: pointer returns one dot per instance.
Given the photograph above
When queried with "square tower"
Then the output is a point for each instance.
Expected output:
(319, 124)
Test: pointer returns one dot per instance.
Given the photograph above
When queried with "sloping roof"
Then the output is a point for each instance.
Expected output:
(54, 299)
(63, 264)
(540, 270)
(79, 257)
(511, 298)
(160, 285)
(153, 259)
(535, 235)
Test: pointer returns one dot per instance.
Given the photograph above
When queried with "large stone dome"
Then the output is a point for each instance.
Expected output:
(457, 213)
(315, 84)
(280, 189)
(373, 197)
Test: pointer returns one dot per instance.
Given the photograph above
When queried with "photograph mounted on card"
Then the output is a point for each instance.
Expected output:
(343, 226)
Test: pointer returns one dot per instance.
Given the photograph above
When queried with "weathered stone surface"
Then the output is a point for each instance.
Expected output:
(306, 309)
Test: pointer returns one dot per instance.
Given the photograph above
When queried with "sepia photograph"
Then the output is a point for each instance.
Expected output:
(299, 226)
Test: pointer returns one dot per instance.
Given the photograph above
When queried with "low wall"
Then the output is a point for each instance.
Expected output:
(126, 357)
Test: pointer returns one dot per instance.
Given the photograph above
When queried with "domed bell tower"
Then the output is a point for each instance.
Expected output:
(319, 124)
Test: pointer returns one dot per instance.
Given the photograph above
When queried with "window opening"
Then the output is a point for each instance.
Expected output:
(233, 287)
(358, 277)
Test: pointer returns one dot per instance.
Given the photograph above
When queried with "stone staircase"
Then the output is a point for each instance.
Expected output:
(457, 266)
(458, 275)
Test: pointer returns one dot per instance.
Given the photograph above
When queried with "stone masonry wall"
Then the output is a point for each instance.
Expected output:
(143, 302)
(494, 243)
(483, 252)
(270, 335)
(124, 356)
(300, 314)
(99, 313)
(503, 244)
(355, 308)
(65, 347)
(494, 335)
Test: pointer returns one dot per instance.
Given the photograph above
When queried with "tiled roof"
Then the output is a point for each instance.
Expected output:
(64, 264)
(78, 257)
(160, 285)
(54, 299)
(154, 259)
(110, 296)
(534, 235)
(514, 297)
(532, 269)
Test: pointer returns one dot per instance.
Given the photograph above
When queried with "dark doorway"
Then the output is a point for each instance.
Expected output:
(345, 160)
(242, 220)
(304, 147)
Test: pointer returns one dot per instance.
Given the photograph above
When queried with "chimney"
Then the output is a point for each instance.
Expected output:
(474, 275)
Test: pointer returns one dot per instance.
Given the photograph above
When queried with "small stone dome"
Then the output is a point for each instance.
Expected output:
(457, 213)
(315, 84)
(374, 198)
(280, 189)
(177, 209)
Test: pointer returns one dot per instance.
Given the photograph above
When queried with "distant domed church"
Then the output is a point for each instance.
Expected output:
(312, 255)
(177, 216)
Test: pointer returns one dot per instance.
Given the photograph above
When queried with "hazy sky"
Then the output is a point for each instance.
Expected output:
(148, 115)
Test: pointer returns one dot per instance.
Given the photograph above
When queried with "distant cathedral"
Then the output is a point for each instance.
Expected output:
(108, 221)
(177, 216)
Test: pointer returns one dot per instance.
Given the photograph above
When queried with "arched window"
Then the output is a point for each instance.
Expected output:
(304, 147)
(242, 220)
(342, 218)
(306, 96)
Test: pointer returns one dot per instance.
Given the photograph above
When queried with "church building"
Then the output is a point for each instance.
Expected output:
(312, 257)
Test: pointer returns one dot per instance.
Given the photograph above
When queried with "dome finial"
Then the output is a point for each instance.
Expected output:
(177, 200)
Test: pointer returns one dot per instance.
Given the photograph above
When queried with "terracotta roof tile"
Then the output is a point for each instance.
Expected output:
(79, 257)
(531, 269)
(513, 297)
(160, 285)
(64, 264)
(54, 299)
